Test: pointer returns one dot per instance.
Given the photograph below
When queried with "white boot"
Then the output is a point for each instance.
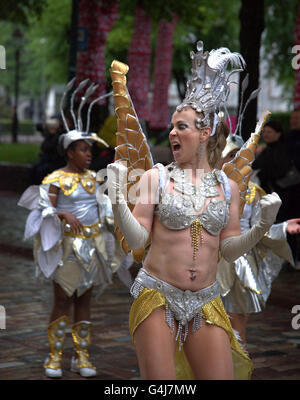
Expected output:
(56, 336)
(81, 333)
(83, 371)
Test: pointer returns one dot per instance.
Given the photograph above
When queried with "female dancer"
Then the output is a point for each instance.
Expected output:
(245, 284)
(189, 210)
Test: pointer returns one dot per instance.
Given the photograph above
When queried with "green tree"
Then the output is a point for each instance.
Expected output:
(213, 21)
(48, 45)
(44, 50)
(278, 40)
(45, 26)
(21, 11)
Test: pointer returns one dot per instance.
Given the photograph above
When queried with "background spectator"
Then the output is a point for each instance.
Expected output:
(273, 163)
(293, 206)
(50, 159)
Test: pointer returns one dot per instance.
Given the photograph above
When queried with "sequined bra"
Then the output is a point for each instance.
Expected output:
(177, 210)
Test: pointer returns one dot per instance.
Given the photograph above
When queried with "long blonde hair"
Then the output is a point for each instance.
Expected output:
(217, 142)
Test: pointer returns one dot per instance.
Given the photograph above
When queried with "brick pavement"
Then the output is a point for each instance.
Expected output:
(272, 343)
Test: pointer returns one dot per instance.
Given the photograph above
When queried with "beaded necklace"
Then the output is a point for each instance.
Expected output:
(198, 195)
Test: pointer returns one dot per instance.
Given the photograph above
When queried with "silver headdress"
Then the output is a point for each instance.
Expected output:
(78, 132)
(209, 87)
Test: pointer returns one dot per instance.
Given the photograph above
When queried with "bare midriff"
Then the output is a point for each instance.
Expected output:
(170, 258)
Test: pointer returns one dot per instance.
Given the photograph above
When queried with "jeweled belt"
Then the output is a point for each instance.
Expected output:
(181, 305)
(87, 232)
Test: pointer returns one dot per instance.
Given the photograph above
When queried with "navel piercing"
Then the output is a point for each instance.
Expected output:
(193, 276)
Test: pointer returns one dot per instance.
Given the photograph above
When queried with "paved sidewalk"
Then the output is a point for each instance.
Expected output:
(273, 344)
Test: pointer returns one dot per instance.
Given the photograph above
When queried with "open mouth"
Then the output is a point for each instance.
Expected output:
(176, 147)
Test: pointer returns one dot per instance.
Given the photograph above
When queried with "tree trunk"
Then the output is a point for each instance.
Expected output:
(180, 80)
(15, 119)
(252, 26)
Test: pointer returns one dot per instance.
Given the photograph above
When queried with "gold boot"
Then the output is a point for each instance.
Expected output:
(81, 333)
(56, 336)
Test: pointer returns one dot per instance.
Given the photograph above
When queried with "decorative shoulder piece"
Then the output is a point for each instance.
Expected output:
(68, 181)
(209, 87)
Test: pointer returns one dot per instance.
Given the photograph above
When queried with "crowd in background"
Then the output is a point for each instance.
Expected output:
(277, 165)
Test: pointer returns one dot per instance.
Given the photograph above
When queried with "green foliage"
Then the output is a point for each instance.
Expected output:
(49, 44)
(44, 49)
(5, 110)
(213, 21)
(21, 11)
(19, 152)
(280, 19)
(283, 118)
(45, 27)
(118, 41)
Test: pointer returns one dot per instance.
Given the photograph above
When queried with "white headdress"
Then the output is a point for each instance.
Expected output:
(209, 87)
(79, 133)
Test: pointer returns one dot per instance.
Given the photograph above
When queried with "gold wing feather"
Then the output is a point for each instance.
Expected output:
(240, 168)
(131, 143)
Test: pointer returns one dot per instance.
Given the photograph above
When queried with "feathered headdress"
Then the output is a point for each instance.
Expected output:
(207, 92)
(209, 87)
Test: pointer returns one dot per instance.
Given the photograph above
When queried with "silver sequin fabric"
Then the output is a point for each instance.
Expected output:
(181, 305)
(179, 210)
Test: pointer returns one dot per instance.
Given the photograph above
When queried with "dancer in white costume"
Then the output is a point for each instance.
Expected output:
(73, 226)
(245, 284)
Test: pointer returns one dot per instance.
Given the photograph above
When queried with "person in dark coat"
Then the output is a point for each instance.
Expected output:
(50, 159)
(293, 206)
(273, 163)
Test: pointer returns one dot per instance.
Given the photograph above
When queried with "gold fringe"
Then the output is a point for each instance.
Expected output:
(213, 312)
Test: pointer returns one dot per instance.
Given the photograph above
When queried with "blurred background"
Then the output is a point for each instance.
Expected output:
(45, 43)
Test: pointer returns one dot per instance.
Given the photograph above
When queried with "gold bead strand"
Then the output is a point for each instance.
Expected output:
(197, 236)
(201, 233)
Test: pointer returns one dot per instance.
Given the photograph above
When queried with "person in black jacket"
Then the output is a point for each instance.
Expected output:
(293, 206)
(273, 163)
(293, 138)
(49, 158)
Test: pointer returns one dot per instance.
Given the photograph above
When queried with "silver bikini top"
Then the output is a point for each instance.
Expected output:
(178, 210)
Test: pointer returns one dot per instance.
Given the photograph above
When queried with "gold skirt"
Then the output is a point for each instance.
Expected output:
(213, 312)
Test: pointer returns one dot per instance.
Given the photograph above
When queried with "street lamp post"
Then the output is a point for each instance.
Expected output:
(43, 83)
(17, 35)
